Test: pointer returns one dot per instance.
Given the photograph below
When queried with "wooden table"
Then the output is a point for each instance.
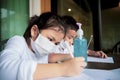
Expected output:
(106, 66)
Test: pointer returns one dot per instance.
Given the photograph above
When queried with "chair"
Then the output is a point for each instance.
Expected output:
(116, 48)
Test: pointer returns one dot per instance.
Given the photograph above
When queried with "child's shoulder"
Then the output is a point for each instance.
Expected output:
(16, 38)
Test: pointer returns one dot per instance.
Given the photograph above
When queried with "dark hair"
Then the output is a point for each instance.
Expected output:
(44, 21)
(70, 22)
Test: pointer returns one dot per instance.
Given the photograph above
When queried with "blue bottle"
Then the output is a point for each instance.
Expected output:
(80, 44)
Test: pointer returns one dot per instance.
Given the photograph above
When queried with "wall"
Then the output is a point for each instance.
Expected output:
(110, 27)
(79, 14)
(36, 7)
(110, 22)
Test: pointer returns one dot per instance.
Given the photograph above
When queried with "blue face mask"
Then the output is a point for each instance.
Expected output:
(42, 46)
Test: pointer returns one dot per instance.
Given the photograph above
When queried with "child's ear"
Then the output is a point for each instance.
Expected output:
(34, 32)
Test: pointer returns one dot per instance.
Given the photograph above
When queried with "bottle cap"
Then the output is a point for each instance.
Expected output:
(80, 31)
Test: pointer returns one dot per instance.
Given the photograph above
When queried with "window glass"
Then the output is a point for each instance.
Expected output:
(14, 16)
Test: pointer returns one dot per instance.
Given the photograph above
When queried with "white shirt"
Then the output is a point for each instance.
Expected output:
(17, 61)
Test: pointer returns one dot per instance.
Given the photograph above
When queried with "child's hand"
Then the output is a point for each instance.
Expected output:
(97, 53)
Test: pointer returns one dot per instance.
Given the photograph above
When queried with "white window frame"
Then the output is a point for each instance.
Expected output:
(34, 7)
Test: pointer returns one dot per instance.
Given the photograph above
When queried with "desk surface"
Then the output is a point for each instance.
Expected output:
(106, 66)
(93, 74)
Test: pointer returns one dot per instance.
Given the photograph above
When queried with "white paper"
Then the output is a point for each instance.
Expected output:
(82, 76)
(102, 74)
(117, 71)
(93, 74)
(96, 59)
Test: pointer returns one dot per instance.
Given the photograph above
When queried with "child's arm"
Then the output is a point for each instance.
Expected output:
(53, 58)
(96, 53)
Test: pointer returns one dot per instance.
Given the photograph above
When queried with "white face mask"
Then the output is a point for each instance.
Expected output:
(64, 44)
(42, 46)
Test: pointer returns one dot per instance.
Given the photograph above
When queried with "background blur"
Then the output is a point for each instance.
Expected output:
(14, 16)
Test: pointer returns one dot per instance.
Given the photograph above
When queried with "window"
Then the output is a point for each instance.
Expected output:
(14, 16)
